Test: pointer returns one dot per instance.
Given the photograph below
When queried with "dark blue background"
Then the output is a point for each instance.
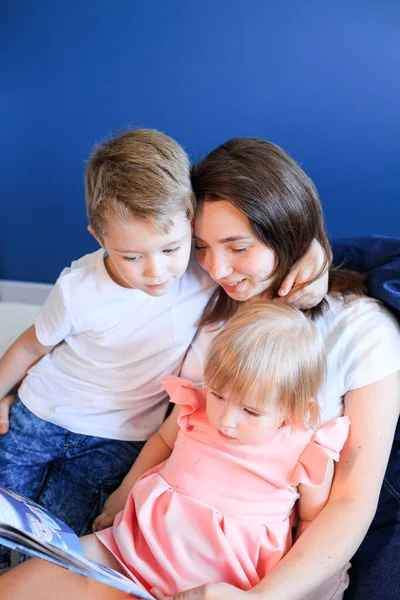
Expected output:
(319, 78)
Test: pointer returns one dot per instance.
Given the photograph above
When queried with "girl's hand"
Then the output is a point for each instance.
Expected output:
(210, 591)
(302, 271)
(113, 505)
(5, 405)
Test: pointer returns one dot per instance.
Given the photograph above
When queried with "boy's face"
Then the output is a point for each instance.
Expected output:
(141, 256)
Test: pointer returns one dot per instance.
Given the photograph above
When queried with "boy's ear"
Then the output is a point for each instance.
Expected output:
(96, 237)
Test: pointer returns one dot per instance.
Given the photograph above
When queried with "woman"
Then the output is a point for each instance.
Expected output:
(258, 212)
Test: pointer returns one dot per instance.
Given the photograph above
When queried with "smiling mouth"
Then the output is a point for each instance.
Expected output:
(235, 286)
(232, 283)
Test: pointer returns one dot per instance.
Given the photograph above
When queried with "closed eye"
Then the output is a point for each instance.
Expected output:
(240, 249)
(171, 250)
(251, 412)
(131, 258)
(217, 396)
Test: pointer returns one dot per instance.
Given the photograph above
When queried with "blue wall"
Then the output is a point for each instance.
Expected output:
(319, 78)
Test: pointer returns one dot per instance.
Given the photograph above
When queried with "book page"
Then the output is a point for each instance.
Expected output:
(36, 522)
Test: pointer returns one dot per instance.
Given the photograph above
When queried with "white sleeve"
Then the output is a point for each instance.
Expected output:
(54, 321)
(372, 348)
(193, 365)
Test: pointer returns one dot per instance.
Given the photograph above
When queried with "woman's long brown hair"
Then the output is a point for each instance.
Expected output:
(283, 209)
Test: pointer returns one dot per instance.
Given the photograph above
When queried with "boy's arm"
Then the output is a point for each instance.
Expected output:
(157, 449)
(294, 289)
(20, 356)
(312, 500)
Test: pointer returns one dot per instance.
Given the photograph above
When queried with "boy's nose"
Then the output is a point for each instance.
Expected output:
(154, 268)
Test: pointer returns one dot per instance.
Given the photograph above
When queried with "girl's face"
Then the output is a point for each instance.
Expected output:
(241, 423)
(227, 248)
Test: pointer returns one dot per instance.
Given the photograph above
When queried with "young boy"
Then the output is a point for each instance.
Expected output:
(115, 322)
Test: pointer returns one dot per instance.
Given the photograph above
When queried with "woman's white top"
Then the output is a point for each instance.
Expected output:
(362, 343)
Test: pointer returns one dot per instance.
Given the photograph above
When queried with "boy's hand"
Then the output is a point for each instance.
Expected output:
(5, 405)
(302, 271)
(113, 505)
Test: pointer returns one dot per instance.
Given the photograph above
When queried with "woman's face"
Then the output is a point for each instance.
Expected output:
(227, 248)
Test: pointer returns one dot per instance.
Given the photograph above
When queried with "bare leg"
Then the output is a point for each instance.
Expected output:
(94, 550)
(40, 580)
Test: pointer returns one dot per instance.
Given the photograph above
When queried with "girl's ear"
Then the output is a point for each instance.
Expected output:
(96, 237)
(313, 412)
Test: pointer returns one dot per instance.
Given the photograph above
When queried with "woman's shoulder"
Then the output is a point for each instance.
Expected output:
(362, 339)
(356, 312)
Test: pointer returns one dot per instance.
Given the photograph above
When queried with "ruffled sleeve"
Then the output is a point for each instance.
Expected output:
(184, 392)
(325, 444)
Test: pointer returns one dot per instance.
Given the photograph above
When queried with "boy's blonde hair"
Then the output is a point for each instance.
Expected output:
(266, 351)
(140, 174)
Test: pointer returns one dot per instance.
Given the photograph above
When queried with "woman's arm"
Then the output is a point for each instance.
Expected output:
(312, 500)
(336, 533)
(157, 449)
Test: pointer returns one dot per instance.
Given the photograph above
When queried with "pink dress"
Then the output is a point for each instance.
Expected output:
(215, 511)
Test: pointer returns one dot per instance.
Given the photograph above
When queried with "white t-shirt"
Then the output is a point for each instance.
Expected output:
(115, 344)
(362, 343)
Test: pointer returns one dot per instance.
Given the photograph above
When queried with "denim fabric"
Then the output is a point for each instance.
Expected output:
(377, 256)
(69, 474)
(375, 574)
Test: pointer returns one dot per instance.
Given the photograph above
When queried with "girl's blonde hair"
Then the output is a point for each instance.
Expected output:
(269, 350)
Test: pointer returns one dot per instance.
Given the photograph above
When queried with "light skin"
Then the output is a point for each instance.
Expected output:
(242, 423)
(223, 413)
(227, 248)
(143, 257)
(350, 507)
(230, 252)
(140, 256)
(343, 522)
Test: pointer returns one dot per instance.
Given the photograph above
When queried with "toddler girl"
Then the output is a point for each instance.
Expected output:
(244, 450)
(241, 452)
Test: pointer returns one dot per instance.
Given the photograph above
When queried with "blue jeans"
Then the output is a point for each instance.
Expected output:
(70, 474)
(375, 574)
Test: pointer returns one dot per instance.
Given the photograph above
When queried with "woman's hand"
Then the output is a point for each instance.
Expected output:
(210, 591)
(302, 271)
(113, 505)
(5, 405)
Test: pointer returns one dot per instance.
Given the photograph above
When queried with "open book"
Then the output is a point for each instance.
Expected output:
(29, 528)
